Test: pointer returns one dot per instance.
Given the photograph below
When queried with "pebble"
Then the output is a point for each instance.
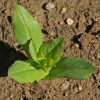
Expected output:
(11, 96)
(77, 45)
(63, 10)
(76, 89)
(50, 6)
(52, 33)
(65, 86)
(89, 22)
(80, 88)
(66, 94)
(69, 21)
(61, 23)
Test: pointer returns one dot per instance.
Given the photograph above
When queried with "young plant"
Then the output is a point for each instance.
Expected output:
(44, 59)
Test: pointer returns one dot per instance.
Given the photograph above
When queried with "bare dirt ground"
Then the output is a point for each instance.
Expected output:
(81, 39)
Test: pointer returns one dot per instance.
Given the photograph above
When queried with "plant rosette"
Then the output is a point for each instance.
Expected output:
(44, 59)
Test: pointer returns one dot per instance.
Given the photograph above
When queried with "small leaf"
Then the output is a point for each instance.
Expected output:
(75, 68)
(26, 28)
(47, 47)
(23, 72)
(51, 52)
(56, 52)
(28, 48)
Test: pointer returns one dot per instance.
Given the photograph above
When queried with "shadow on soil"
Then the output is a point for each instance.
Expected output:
(7, 56)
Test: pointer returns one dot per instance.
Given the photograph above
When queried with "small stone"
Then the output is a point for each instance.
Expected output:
(63, 10)
(69, 21)
(66, 94)
(80, 88)
(76, 89)
(65, 86)
(11, 96)
(52, 33)
(89, 22)
(77, 45)
(61, 23)
(50, 6)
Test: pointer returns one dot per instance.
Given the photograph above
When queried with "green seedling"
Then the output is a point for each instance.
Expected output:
(44, 59)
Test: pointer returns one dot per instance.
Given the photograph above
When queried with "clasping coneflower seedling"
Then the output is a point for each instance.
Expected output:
(44, 59)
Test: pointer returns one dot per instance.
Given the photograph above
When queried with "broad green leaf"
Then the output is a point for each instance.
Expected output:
(75, 68)
(47, 47)
(26, 28)
(23, 72)
(51, 52)
(56, 52)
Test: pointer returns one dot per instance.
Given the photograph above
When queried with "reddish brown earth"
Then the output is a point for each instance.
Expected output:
(81, 39)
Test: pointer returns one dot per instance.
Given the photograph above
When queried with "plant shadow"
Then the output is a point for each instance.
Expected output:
(7, 57)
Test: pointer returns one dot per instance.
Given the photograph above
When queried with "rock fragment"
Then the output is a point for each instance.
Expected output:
(49, 6)
(63, 10)
(69, 21)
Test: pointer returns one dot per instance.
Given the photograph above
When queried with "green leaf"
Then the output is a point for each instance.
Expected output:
(31, 50)
(26, 28)
(23, 72)
(56, 52)
(28, 48)
(51, 52)
(75, 68)
(47, 47)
